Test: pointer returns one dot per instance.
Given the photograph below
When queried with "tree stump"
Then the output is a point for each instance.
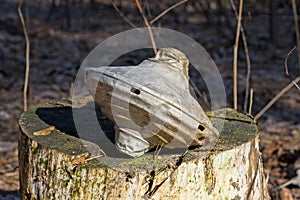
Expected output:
(55, 164)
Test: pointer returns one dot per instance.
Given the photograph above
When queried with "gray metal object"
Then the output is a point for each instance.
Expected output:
(150, 104)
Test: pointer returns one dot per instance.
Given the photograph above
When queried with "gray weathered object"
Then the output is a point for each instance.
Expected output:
(150, 104)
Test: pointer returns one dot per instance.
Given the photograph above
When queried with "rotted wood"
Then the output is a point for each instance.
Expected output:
(56, 164)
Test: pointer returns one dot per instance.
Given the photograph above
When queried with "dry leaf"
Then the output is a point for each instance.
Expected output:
(77, 161)
(46, 131)
(82, 160)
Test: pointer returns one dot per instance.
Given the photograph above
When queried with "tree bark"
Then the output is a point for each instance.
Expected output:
(56, 165)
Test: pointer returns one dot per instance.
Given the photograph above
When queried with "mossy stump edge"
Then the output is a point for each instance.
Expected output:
(57, 165)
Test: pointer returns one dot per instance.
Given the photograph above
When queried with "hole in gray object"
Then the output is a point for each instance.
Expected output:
(201, 128)
(135, 91)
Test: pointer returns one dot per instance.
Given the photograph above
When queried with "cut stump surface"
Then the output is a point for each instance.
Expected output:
(56, 164)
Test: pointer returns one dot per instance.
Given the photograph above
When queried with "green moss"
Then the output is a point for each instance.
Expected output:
(238, 128)
(65, 183)
(147, 162)
(93, 164)
(31, 122)
(210, 179)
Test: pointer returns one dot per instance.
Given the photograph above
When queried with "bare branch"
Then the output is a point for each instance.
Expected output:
(296, 28)
(251, 102)
(235, 55)
(296, 85)
(138, 5)
(286, 61)
(287, 70)
(201, 99)
(282, 92)
(166, 11)
(248, 76)
(26, 55)
(121, 14)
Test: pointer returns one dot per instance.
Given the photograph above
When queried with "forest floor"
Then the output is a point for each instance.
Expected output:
(57, 51)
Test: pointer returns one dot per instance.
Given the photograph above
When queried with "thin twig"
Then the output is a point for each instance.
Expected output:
(26, 55)
(282, 92)
(148, 9)
(287, 69)
(296, 85)
(251, 102)
(201, 99)
(296, 28)
(138, 5)
(166, 11)
(121, 14)
(286, 61)
(248, 76)
(158, 148)
(235, 55)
